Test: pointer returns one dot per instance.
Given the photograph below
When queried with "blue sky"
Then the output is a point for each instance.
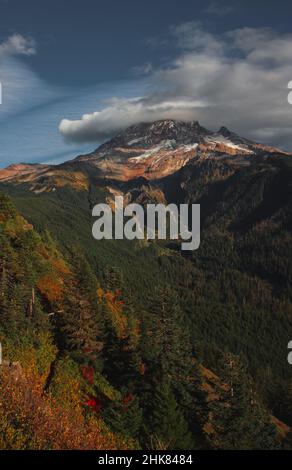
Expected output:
(75, 72)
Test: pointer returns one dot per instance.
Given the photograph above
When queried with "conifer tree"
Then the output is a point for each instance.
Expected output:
(167, 349)
(113, 279)
(13, 318)
(121, 353)
(81, 324)
(237, 419)
(125, 416)
(167, 427)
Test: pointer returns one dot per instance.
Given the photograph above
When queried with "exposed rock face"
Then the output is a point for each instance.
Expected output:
(148, 150)
(150, 134)
(158, 149)
(12, 172)
(126, 163)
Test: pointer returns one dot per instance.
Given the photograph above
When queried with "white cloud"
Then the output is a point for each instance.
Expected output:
(16, 44)
(122, 113)
(238, 79)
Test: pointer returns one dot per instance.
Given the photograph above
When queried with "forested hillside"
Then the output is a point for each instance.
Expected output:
(137, 344)
(122, 340)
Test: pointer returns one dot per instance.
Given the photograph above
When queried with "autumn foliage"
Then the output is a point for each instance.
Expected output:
(32, 419)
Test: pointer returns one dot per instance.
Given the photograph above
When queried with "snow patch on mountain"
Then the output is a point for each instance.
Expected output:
(166, 144)
(220, 139)
(135, 141)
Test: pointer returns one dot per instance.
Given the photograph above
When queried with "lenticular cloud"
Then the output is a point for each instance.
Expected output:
(238, 79)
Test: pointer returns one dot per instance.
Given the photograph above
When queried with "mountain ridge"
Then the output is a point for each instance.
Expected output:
(149, 150)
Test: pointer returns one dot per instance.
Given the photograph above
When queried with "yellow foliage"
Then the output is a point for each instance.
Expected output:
(31, 419)
(51, 287)
(51, 283)
(60, 266)
(35, 358)
(15, 226)
(115, 307)
(65, 386)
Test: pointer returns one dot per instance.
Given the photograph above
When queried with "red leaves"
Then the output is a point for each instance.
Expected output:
(88, 374)
(93, 404)
(37, 422)
(128, 398)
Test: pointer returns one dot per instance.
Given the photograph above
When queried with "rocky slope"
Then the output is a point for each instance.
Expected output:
(155, 150)
(149, 150)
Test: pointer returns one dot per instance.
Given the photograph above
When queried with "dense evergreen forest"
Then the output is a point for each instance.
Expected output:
(121, 345)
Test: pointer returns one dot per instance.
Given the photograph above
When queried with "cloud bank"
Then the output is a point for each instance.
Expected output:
(238, 79)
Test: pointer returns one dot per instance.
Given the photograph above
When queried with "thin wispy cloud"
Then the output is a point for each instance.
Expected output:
(220, 9)
(21, 88)
(32, 108)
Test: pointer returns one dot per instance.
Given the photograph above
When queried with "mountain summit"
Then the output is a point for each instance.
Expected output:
(153, 133)
(149, 150)
(157, 149)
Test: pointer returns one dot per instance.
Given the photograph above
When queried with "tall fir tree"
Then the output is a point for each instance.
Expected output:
(125, 416)
(237, 419)
(167, 351)
(121, 352)
(167, 427)
(81, 323)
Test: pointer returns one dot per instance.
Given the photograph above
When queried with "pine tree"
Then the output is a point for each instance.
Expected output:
(237, 419)
(121, 353)
(113, 279)
(125, 416)
(13, 318)
(167, 427)
(80, 322)
(166, 348)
